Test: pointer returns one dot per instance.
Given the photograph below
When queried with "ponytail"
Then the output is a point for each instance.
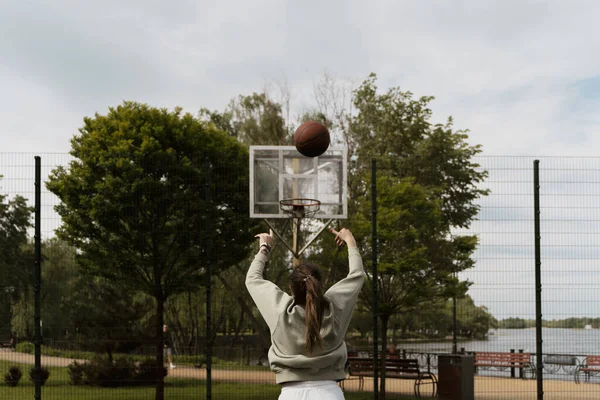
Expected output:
(313, 313)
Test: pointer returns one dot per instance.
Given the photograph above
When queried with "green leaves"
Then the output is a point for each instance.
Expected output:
(427, 185)
(134, 199)
(15, 219)
(253, 120)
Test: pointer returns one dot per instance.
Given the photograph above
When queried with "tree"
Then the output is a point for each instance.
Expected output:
(59, 278)
(106, 315)
(15, 219)
(256, 119)
(253, 120)
(134, 202)
(427, 185)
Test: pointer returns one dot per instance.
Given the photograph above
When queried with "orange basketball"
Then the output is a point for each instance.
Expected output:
(311, 139)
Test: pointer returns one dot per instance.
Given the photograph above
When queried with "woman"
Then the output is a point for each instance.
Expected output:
(308, 352)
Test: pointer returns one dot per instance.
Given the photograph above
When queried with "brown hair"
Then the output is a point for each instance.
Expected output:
(305, 282)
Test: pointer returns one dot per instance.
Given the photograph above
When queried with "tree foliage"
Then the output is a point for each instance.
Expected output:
(253, 120)
(15, 219)
(134, 201)
(60, 277)
(427, 186)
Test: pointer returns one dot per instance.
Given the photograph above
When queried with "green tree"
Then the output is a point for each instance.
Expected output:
(107, 315)
(15, 219)
(474, 322)
(253, 120)
(133, 202)
(513, 323)
(60, 277)
(427, 183)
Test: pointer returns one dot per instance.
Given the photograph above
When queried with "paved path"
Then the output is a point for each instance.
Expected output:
(486, 388)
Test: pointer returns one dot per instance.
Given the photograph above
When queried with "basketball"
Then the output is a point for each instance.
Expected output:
(311, 139)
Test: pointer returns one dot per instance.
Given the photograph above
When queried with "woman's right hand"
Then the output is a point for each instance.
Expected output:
(343, 236)
(266, 239)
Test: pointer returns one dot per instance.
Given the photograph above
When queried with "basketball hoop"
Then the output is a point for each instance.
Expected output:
(300, 207)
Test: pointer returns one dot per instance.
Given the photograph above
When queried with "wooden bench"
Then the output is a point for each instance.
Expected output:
(7, 342)
(396, 368)
(591, 366)
(501, 361)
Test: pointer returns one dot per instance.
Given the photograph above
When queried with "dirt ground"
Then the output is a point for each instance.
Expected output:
(486, 388)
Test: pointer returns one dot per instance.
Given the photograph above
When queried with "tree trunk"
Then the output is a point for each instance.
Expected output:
(193, 334)
(160, 379)
(384, 326)
(264, 337)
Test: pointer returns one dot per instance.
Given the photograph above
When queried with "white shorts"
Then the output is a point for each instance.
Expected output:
(311, 390)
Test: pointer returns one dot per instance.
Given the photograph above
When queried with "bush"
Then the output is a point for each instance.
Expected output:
(146, 372)
(121, 372)
(13, 376)
(75, 372)
(25, 347)
(101, 372)
(40, 375)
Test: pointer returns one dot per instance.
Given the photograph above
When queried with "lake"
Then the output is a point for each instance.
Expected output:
(575, 342)
(555, 341)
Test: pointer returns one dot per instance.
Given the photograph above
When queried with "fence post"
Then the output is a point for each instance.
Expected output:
(428, 362)
(538, 279)
(207, 271)
(37, 287)
(521, 366)
(512, 369)
(375, 278)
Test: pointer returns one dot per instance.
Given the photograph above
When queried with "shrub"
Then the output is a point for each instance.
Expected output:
(121, 372)
(75, 372)
(42, 374)
(13, 376)
(145, 373)
(101, 372)
(25, 347)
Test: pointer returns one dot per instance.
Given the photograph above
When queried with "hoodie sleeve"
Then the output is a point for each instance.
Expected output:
(344, 293)
(269, 299)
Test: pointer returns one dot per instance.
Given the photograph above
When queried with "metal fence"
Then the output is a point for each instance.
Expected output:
(503, 281)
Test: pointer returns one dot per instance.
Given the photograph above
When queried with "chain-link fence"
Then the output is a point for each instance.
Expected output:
(99, 336)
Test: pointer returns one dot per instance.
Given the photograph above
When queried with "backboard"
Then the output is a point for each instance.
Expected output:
(281, 172)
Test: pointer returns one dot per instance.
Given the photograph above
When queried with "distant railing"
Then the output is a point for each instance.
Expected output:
(555, 364)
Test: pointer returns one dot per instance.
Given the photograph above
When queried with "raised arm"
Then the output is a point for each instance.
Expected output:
(269, 299)
(344, 293)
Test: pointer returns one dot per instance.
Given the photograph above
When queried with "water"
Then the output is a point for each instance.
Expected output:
(580, 342)
(573, 342)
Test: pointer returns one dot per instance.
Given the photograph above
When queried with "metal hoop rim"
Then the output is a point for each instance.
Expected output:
(302, 205)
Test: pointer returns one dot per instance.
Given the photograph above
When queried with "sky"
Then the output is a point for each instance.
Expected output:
(523, 76)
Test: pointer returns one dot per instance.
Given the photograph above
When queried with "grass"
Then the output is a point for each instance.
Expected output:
(58, 388)
(177, 359)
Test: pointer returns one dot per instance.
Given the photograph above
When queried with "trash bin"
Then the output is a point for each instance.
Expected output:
(455, 377)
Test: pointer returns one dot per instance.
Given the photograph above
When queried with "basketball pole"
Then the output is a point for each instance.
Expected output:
(295, 219)
(295, 241)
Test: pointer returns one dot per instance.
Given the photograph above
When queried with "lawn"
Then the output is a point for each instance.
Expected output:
(188, 360)
(57, 388)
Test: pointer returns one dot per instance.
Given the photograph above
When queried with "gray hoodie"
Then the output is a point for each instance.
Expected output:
(288, 356)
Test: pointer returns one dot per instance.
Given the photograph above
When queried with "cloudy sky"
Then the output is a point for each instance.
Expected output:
(522, 75)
